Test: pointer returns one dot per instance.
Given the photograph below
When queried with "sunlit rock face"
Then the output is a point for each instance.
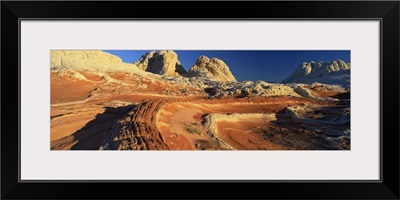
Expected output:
(88, 60)
(161, 62)
(335, 72)
(214, 68)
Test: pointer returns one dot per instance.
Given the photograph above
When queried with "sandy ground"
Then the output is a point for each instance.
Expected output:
(175, 117)
(95, 114)
(65, 90)
(246, 133)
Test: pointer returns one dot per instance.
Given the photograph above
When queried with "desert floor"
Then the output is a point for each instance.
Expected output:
(122, 111)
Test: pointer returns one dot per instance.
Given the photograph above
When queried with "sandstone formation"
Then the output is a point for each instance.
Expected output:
(213, 68)
(335, 72)
(100, 103)
(161, 62)
(89, 60)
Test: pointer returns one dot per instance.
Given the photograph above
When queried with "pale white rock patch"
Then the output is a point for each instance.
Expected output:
(93, 60)
(335, 72)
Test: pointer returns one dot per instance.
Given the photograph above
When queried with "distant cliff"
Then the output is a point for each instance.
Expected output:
(335, 72)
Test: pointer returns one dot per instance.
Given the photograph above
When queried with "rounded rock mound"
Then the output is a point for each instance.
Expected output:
(164, 62)
(214, 68)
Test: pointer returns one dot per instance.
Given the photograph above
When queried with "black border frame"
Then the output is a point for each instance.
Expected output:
(385, 11)
(199, 19)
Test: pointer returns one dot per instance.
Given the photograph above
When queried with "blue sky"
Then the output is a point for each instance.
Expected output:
(254, 65)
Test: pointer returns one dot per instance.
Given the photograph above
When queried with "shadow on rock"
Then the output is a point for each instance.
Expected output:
(91, 135)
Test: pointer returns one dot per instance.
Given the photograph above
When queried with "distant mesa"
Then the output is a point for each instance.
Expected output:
(335, 72)
(163, 62)
(213, 68)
